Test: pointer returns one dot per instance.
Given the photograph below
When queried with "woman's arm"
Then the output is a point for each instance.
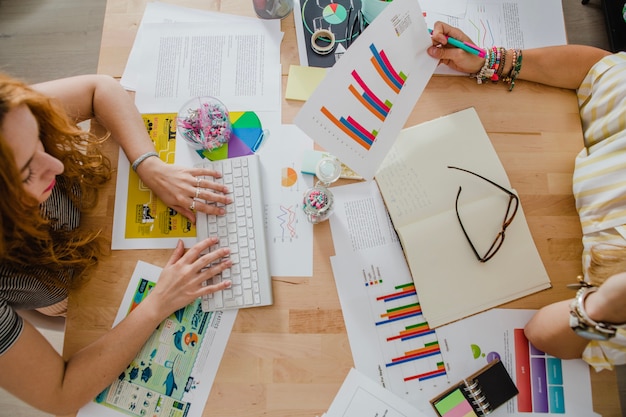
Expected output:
(549, 332)
(558, 66)
(34, 372)
(103, 98)
(549, 329)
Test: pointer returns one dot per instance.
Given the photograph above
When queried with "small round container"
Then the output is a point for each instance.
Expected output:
(317, 202)
(204, 123)
(272, 9)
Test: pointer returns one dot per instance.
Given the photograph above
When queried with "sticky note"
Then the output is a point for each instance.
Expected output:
(302, 81)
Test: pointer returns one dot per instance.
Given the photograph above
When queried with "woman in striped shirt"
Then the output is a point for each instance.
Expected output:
(51, 171)
(592, 324)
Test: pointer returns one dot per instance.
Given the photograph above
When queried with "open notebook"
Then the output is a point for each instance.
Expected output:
(420, 192)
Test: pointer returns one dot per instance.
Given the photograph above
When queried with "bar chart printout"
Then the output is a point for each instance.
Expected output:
(359, 108)
(370, 108)
(390, 339)
(403, 326)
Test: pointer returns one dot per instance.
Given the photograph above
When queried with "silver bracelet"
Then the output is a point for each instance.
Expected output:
(143, 158)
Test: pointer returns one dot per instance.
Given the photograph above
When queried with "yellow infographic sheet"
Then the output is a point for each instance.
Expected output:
(146, 215)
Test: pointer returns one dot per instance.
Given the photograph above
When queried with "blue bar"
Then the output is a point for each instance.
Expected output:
(356, 131)
(384, 67)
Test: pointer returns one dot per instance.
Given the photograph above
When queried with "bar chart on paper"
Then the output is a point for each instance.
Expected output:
(390, 339)
(409, 343)
(373, 90)
(365, 99)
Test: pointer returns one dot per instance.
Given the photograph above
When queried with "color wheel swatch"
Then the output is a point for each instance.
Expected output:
(247, 130)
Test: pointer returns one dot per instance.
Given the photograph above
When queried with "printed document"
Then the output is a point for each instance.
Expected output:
(173, 373)
(236, 62)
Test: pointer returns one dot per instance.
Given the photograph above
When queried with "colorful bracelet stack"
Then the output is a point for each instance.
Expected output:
(493, 69)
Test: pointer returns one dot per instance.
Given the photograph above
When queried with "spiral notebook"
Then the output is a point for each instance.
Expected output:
(477, 395)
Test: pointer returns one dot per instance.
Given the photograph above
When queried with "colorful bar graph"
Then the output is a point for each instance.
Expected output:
(440, 371)
(429, 349)
(403, 327)
(342, 123)
(355, 127)
(384, 68)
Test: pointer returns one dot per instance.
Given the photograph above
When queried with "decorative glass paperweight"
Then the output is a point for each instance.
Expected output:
(317, 202)
(204, 123)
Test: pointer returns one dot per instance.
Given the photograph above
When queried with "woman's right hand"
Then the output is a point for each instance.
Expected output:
(182, 278)
(453, 57)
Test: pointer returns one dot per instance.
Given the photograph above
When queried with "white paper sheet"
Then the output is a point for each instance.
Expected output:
(554, 386)
(520, 24)
(235, 62)
(389, 336)
(361, 397)
(360, 219)
(189, 344)
(157, 12)
(455, 8)
(363, 102)
(289, 235)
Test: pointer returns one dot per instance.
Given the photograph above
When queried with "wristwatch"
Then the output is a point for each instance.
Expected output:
(584, 325)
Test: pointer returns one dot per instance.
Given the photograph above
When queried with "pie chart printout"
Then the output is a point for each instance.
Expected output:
(289, 177)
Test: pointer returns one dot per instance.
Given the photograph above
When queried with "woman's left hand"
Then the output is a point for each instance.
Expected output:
(185, 190)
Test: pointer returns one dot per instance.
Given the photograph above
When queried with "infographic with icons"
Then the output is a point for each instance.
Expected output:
(173, 372)
(342, 18)
(548, 386)
(390, 339)
(145, 214)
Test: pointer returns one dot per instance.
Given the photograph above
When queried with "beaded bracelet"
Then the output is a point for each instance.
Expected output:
(493, 68)
(143, 158)
(515, 69)
(486, 72)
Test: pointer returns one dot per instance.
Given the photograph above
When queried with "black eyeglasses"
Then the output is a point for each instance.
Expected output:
(511, 210)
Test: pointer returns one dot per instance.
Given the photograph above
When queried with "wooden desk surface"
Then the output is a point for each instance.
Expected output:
(291, 358)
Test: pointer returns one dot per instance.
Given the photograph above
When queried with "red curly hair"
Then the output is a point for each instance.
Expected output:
(26, 238)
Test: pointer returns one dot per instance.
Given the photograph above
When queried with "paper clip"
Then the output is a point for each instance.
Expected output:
(264, 134)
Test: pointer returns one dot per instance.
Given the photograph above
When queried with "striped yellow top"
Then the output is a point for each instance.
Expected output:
(600, 175)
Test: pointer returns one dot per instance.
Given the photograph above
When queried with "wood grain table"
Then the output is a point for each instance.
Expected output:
(290, 359)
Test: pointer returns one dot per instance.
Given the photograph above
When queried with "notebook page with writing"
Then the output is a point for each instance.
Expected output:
(420, 190)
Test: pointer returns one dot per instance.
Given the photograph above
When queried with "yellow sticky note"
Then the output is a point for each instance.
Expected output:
(302, 81)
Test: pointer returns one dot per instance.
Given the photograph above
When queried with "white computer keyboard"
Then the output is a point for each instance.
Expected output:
(242, 229)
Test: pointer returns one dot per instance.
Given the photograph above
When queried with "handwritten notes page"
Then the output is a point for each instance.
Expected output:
(420, 191)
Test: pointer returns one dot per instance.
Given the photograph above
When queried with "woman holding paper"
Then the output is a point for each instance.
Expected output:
(592, 325)
(51, 173)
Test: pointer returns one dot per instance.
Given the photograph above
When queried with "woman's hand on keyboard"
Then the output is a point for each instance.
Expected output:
(185, 189)
(182, 280)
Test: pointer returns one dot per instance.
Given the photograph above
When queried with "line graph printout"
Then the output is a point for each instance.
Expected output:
(288, 233)
(512, 24)
(359, 108)
(390, 339)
